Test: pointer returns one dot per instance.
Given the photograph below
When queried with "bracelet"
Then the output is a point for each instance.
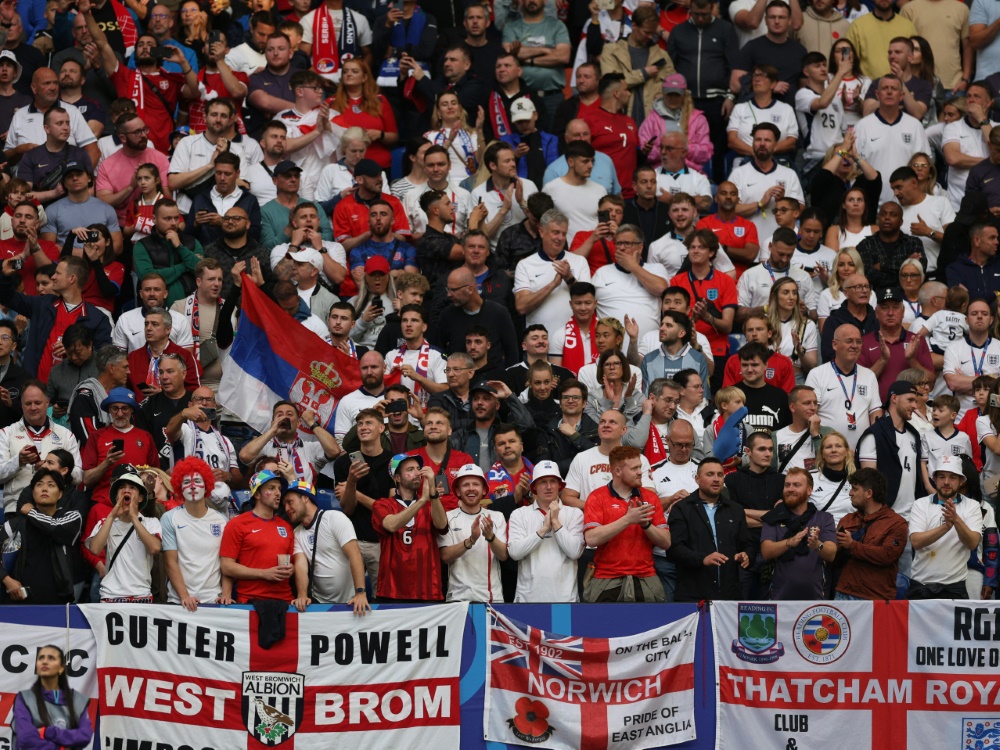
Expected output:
(646, 525)
(434, 497)
(466, 543)
(490, 538)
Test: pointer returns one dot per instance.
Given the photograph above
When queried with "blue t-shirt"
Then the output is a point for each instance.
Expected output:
(399, 254)
(64, 215)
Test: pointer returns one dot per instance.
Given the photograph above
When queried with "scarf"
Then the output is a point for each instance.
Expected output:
(573, 357)
(153, 371)
(793, 524)
(328, 51)
(199, 445)
(467, 154)
(291, 450)
(191, 311)
(395, 374)
(607, 25)
(402, 38)
(499, 117)
(501, 482)
(654, 451)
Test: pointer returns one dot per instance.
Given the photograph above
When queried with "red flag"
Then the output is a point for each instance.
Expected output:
(655, 450)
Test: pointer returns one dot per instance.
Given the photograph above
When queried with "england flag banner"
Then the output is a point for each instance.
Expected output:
(274, 358)
(553, 691)
(171, 679)
(18, 648)
(857, 674)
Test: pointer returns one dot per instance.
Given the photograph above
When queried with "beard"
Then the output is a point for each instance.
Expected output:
(143, 61)
(233, 234)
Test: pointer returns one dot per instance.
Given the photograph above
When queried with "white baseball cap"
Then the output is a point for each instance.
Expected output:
(308, 255)
(8, 55)
(546, 469)
(952, 464)
(472, 470)
(522, 109)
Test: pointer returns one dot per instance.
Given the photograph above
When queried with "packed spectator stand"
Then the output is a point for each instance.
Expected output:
(648, 301)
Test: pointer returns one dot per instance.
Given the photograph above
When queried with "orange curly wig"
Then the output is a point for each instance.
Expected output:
(191, 465)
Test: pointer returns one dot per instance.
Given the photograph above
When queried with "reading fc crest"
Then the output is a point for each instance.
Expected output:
(822, 634)
(273, 703)
(758, 634)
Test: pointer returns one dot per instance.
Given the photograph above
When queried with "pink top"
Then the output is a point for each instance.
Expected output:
(699, 143)
(116, 172)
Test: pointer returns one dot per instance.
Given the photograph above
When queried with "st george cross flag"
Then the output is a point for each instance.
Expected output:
(552, 691)
(274, 357)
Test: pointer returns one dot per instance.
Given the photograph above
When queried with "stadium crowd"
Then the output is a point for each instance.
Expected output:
(650, 301)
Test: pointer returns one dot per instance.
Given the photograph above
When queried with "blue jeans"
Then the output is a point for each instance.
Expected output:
(667, 571)
(902, 586)
(840, 597)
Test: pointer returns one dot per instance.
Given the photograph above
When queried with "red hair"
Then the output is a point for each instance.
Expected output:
(186, 467)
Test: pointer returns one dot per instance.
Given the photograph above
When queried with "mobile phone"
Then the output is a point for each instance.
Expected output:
(377, 303)
(660, 63)
(161, 53)
(356, 457)
(17, 264)
(118, 445)
(93, 235)
(441, 484)
(603, 217)
(398, 406)
(285, 424)
(844, 52)
(398, 5)
(713, 310)
(210, 414)
(61, 403)
(214, 36)
(605, 4)
(25, 592)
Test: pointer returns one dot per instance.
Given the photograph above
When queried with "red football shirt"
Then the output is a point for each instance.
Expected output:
(138, 368)
(256, 543)
(140, 449)
(778, 371)
(385, 121)
(11, 247)
(718, 289)
(597, 256)
(455, 461)
(350, 217)
(64, 319)
(617, 136)
(736, 233)
(630, 553)
(410, 563)
(158, 118)
(115, 272)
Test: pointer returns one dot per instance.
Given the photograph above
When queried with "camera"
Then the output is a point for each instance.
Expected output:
(210, 414)
(397, 406)
(214, 36)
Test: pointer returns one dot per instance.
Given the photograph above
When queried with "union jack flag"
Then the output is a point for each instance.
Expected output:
(530, 648)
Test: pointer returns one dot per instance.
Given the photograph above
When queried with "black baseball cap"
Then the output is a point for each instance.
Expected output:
(483, 386)
(901, 388)
(367, 168)
(284, 167)
(892, 294)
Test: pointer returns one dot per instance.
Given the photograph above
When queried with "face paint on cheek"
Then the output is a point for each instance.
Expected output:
(193, 488)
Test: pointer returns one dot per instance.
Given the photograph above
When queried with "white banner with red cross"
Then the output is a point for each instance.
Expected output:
(797, 675)
(201, 679)
(19, 644)
(553, 691)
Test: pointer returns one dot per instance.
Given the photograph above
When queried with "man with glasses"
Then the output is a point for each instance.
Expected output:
(855, 311)
(674, 176)
(468, 309)
(84, 412)
(235, 246)
(776, 48)
(459, 369)
(115, 174)
(207, 216)
(312, 134)
(195, 429)
(572, 431)
(144, 361)
(630, 289)
(848, 394)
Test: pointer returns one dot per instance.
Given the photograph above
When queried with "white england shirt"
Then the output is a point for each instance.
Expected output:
(752, 183)
(475, 576)
(889, 146)
(963, 358)
(535, 272)
(834, 393)
(493, 198)
(332, 579)
(196, 542)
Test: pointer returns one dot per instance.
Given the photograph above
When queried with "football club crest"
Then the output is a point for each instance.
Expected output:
(769, 373)
(822, 634)
(325, 66)
(980, 732)
(993, 360)
(907, 138)
(739, 231)
(216, 529)
(273, 703)
(758, 634)
(863, 391)
(712, 294)
(282, 532)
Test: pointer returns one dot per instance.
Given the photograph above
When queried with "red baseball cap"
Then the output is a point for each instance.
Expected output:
(376, 264)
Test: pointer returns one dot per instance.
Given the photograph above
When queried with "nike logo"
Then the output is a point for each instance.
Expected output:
(41, 166)
(254, 531)
(537, 275)
(831, 389)
(875, 139)
(157, 413)
(181, 527)
(751, 184)
(967, 361)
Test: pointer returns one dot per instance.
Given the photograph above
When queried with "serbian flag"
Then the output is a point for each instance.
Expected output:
(655, 451)
(574, 693)
(274, 358)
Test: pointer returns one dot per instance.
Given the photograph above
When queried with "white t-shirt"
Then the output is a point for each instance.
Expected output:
(887, 147)
(803, 458)
(958, 358)
(194, 151)
(670, 254)
(991, 461)
(752, 183)
(823, 493)
(332, 579)
(461, 152)
(810, 342)
(933, 446)
(620, 294)
(557, 340)
(822, 256)
(196, 542)
(937, 213)
(906, 446)
(944, 328)
(945, 561)
(534, 273)
(361, 25)
(651, 341)
(747, 114)
(131, 575)
(493, 199)
(475, 576)
(686, 181)
(306, 457)
(971, 143)
(851, 93)
(754, 286)
(26, 126)
(578, 202)
(130, 334)
(314, 157)
(333, 179)
(334, 249)
(743, 35)
(435, 364)
(213, 448)
(348, 408)
(460, 198)
(833, 410)
(822, 128)
(245, 59)
(671, 478)
(591, 469)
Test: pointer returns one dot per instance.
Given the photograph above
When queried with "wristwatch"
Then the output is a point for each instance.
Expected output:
(359, 591)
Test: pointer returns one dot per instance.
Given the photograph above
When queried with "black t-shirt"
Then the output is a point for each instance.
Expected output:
(768, 407)
(8, 105)
(108, 20)
(433, 255)
(376, 485)
(154, 415)
(787, 58)
(922, 90)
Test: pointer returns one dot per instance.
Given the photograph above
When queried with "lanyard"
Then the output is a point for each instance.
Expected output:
(767, 265)
(978, 369)
(848, 400)
(914, 307)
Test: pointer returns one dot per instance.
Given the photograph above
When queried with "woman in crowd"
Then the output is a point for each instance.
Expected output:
(834, 463)
(811, 253)
(361, 105)
(987, 431)
(371, 305)
(676, 107)
(194, 29)
(451, 129)
(619, 387)
(844, 172)
(157, 484)
(923, 165)
(106, 274)
(51, 714)
(338, 178)
(799, 335)
(853, 88)
(922, 66)
(413, 167)
(911, 278)
(609, 335)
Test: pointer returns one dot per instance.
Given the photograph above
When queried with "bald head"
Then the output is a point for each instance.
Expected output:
(577, 130)
(681, 431)
(846, 332)
(460, 277)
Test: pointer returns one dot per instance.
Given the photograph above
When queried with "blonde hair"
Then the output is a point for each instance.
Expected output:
(798, 320)
(436, 114)
(356, 134)
(849, 460)
(834, 281)
(727, 394)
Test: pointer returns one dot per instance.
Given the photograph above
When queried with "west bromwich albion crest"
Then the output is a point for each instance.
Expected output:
(273, 703)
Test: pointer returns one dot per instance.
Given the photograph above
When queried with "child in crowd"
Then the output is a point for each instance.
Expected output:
(14, 192)
(728, 401)
(981, 386)
(140, 213)
(944, 439)
(946, 325)
(43, 38)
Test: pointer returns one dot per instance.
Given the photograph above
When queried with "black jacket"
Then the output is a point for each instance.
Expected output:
(13, 379)
(459, 411)
(884, 432)
(561, 449)
(754, 491)
(691, 541)
(43, 563)
(511, 410)
(839, 317)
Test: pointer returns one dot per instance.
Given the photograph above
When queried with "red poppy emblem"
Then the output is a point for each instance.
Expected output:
(531, 720)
